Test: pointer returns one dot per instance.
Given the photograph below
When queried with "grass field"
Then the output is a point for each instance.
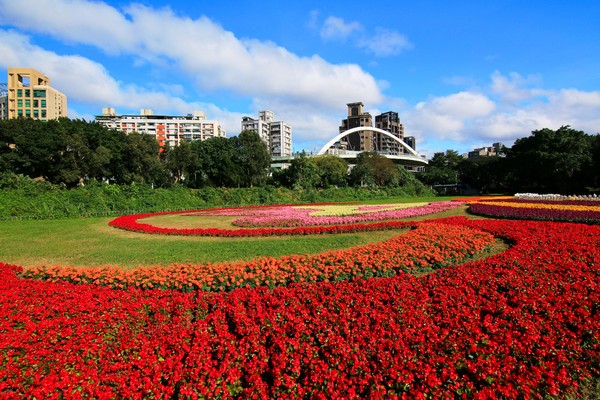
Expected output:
(90, 241)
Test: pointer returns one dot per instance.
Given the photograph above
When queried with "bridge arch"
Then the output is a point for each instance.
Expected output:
(366, 128)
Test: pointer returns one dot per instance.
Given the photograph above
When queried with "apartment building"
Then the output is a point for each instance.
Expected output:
(369, 140)
(411, 141)
(277, 135)
(359, 141)
(497, 149)
(168, 129)
(390, 122)
(3, 101)
(29, 95)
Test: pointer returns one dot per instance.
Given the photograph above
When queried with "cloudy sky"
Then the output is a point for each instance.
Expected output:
(461, 74)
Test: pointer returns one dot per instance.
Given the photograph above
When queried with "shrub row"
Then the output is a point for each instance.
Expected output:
(21, 197)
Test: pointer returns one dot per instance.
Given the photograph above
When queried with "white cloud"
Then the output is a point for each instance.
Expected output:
(335, 28)
(515, 88)
(521, 107)
(85, 81)
(74, 21)
(210, 55)
(385, 43)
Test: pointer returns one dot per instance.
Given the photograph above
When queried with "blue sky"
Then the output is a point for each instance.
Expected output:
(461, 74)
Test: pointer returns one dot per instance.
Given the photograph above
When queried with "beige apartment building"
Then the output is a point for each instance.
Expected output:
(29, 95)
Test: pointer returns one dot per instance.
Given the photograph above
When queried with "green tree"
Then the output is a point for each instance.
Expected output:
(594, 180)
(333, 170)
(485, 174)
(178, 160)
(551, 161)
(303, 173)
(252, 157)
(214, 164)
(373, 169)
(442, 169)
(141, 160)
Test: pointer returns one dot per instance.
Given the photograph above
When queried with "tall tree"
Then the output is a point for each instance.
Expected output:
(442, 169)
(303, 173)
(333, 170)
(374, 169)
(551, 161)
(214, 164)
(252, 157)
(178, 160)
(142, 162)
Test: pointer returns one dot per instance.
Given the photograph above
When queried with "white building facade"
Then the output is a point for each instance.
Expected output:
(277, 135)
(167, 129)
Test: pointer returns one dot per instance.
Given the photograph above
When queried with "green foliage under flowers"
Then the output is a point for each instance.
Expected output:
(22, 197)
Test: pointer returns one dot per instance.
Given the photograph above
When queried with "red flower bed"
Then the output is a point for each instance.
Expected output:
(130, 223)
(428, 246)
(521, 324)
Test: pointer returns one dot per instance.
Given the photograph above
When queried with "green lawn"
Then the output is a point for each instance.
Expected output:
(90, 241)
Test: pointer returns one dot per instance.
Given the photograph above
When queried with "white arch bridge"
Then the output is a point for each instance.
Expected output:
(410, 157)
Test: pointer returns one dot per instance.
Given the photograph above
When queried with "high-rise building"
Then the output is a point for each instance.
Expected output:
(411, 141)
(277, 135)
(167, 129)
(358, 141)
(389, 121)
(368, 140)
(3, 101)
(31, 96)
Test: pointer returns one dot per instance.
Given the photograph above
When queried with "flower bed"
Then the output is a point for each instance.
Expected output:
(287, 220)
(429, 246)
(521, 324)
(553, 210)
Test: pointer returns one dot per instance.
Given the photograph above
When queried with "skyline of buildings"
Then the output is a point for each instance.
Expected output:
(373, 141)
(167, 129)
(28, 94)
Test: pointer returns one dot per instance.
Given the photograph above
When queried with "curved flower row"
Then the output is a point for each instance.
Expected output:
(521, 324)
(132, 222)
(539, 210)
(556, 197)
(426, 247)
(291, 216)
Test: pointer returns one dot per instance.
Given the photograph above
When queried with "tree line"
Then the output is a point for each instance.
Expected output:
(564, 161)
(77, 152)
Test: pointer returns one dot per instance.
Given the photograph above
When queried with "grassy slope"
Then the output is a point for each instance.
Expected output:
(90, 241)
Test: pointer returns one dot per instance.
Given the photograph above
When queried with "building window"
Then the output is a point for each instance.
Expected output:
(27, 93)
(20, 113)
(27, 103)
(28, 113)
(44, 103)
(36, 114)
(19, 92)
(36, 103)
(39, 93)
(43, 113)
(20, 103)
